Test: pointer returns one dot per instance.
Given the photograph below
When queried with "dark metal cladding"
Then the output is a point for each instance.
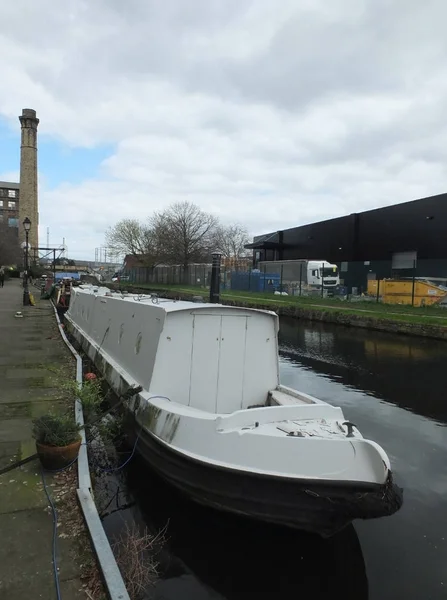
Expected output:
(373, 236)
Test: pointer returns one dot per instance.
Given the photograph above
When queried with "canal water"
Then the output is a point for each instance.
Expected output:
(394, 389)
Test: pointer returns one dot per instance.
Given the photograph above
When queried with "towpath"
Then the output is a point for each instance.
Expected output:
(32, 358)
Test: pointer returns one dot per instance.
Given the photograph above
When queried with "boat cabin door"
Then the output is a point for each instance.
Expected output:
(217, 362)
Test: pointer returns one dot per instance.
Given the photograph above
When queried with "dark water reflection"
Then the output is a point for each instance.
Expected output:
(214, 555)
(392, 387)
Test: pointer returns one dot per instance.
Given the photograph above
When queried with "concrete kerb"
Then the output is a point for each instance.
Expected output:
(83, 466)
(110, 570)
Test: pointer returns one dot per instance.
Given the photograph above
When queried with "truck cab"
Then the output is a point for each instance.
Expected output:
(321, 273)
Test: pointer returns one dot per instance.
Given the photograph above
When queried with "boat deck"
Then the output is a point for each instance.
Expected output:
(305, 428)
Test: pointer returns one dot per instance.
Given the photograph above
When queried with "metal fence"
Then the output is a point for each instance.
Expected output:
(421, 282)
(416, 282)
(194, 275)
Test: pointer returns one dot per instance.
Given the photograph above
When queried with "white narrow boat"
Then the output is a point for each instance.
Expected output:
(213, 419)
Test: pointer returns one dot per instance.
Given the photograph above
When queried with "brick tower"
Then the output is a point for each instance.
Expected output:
(28, 203)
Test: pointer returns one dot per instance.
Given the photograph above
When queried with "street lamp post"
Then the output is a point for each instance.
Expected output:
(27, 227)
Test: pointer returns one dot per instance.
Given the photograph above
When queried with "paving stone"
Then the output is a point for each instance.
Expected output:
(32, 359)
(14, 383)
(30, 351)
(16, 393)
(34, 348)
(15, 430)
(15, 410)
(31, 409)
(42, 587)
(34, 554)
(12, 359)
(24, 373)
(21, 490)
(8, 450)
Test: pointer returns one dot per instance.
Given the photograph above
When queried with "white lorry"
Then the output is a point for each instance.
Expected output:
(304, 275)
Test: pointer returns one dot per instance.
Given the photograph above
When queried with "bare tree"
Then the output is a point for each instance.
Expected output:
(130, 236)
(185, 233)
(230, 241)
(10, 252)
(126, 237)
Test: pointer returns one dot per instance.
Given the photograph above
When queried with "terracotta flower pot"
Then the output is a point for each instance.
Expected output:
(57, 457)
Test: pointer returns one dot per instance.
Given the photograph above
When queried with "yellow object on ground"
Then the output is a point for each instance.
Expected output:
(31, 300)
(400, 291)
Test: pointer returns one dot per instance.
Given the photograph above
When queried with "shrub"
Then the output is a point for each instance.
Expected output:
(90, 395)
(53, 430)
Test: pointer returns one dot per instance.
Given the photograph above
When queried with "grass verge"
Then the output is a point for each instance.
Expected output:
(427, 315)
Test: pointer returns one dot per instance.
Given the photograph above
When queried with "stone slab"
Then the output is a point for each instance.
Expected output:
(36, 528)
(24, 357)
(31, 409)
(8, 452)
(24, 373)
(28, 360)
(21, 490)
(31, 382)
(42, 587)
(15, 430)
(16, 393)
(34, 348)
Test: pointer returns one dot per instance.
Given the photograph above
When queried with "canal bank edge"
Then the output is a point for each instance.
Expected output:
(106, 561)
(332, 315)
(353, 320)
(107, 564)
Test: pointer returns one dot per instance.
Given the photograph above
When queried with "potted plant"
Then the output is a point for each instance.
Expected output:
(57, 440)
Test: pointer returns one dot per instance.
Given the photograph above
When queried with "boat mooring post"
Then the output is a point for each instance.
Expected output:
(215, 278)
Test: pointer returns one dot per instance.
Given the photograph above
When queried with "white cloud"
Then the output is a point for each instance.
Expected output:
(263, 113)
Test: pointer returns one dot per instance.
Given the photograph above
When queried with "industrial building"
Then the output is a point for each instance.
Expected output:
(403, 240)
(9, 203)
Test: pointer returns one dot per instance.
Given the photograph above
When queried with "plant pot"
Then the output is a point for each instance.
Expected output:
(57, 457)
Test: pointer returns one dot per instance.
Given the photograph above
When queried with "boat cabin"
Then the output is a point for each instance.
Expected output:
(211, 357)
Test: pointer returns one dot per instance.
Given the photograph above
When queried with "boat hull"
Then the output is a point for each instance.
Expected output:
(323, 508)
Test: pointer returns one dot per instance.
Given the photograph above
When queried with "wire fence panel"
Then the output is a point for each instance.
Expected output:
(417, 282)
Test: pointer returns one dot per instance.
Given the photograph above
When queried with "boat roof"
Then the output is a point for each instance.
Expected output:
(166, 304)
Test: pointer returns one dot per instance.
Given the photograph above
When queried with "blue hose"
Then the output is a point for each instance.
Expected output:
(53, 508)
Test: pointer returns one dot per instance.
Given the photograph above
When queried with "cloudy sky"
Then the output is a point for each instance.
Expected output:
(264, 112)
